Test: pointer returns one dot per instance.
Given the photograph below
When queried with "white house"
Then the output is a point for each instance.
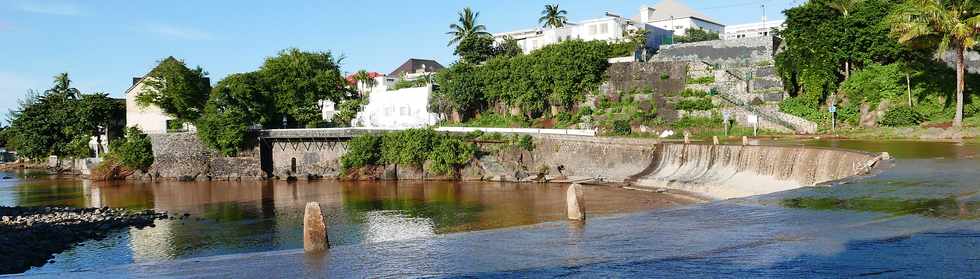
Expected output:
(151, 119)
(609, 28)
(402, 108)
(675, 16)
(751, 30)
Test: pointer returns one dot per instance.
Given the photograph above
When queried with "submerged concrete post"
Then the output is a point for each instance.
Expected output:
(745, 140)
(314, 229)
(715, 139)
(576, 202)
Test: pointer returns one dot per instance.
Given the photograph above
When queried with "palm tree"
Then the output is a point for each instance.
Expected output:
(553, 16)
(466, 26)
(944, 24)
(62, 87)
(845, 7)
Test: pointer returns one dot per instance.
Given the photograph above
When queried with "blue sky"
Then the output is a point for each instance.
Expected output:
(103, 44)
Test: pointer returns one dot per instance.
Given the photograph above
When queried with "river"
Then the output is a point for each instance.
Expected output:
(242, 217)
(917, 217)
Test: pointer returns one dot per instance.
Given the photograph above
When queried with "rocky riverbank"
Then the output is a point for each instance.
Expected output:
(30, 236)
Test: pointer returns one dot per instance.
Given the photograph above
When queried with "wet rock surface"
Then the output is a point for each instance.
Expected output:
(30, 236)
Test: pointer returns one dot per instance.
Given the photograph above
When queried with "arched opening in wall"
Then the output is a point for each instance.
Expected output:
(292, 165)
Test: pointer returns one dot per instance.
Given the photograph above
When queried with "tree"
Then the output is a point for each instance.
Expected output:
(696, 35)
(62, 87)
(508, 47)
(552, 16)
(944, 25)
(179, 91)
(459, 91)
(362, 76)
(466, 26)
(237, 102)
(475, 49)
(845, 7)
(298, 81)
(98, 114)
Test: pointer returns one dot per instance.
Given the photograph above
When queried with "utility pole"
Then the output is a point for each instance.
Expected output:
(764, 30)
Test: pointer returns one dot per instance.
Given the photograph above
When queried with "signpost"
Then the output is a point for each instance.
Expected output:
(833, 118)
(725, 116)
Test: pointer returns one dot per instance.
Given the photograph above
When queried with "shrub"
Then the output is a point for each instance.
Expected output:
(875, 83)
(524, 142)
(694, 104)
(361, 151)
(901, 116)
(698, 122)
(448, 154)
(135, 151)
(701, 80)
(621, 127)
(688, 92)
(408, 147)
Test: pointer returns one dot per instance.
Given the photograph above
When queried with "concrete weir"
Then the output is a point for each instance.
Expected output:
(731, 171)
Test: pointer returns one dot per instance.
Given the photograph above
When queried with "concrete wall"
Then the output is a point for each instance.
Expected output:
(182, 156)
(641, 75)
(312, 159)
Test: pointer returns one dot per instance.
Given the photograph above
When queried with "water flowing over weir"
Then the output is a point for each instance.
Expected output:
(731, 171)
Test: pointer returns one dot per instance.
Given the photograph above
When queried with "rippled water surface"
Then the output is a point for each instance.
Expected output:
(916, 218)
(240, 217)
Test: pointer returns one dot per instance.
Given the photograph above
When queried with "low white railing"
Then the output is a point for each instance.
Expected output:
(533, 131)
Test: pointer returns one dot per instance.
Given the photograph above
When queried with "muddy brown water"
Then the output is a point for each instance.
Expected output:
(240, 217)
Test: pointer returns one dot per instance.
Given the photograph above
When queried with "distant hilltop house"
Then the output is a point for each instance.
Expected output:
(391, 105)
(151, 118)
(752, 30)
(415, 68)
(610, 28)
(675, 16)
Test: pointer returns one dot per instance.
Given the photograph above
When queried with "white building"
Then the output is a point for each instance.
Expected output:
(675, 16)
(402, 108)
(609, 28)
(151, 119)
(751, 30)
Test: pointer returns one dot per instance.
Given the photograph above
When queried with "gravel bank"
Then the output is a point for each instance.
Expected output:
(30, 236)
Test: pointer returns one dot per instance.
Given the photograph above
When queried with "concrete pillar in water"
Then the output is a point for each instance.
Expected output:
(715, 139)
(576, 202)
(314, 229)
(745, 140)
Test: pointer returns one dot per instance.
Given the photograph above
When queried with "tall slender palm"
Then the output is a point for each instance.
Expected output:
(845, 7)
(466, 26)
(552, 16)
(945, 25)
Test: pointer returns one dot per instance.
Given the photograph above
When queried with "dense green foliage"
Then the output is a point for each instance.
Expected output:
(412, 147)
(845, 55)
(901, 116)
(135, 151)
(696, 35)
(942, 26)
(235, 102)
(556, 75)
(475, 49)
(287, 87)
(694, 104)
(361, 151)
(688, 92)
(179, 91)
(61, 121)
(298, 80)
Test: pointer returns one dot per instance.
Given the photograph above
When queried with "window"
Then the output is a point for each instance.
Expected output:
(592, 29)
(604, 28)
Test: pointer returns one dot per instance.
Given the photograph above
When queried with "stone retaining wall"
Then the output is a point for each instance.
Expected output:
(182, 156)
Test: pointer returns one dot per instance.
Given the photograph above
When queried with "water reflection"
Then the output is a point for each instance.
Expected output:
(239, 217)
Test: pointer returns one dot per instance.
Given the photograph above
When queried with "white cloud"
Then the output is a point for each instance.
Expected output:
(178, 32)
(51, 8)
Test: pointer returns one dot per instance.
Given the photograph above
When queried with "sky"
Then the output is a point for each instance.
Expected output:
(103, 44)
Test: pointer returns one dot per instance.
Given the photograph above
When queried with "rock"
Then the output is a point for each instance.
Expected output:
(314, 229)
(575, 200)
